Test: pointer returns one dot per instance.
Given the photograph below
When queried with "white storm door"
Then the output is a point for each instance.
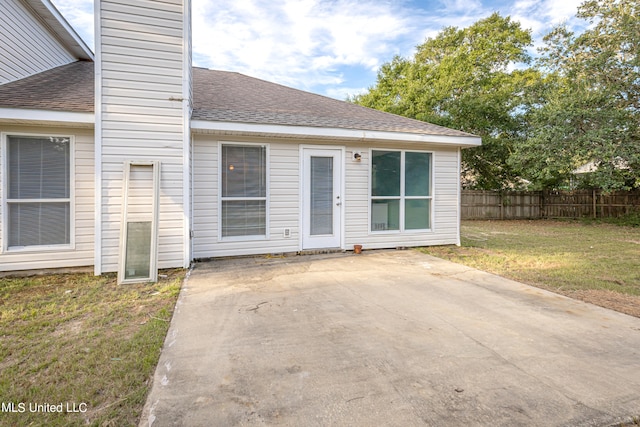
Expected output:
(322, 198)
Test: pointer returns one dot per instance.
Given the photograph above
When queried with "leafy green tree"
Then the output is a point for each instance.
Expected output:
(587, 109)
(466, 79)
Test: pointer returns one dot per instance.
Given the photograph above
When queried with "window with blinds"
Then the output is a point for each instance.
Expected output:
(321, 196)
(243, 190)
(38, 191)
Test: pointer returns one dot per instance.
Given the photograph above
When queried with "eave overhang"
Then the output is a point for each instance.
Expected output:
(46, 117)
(308, 132)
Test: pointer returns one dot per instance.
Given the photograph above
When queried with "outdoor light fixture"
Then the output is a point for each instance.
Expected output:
(357, 156)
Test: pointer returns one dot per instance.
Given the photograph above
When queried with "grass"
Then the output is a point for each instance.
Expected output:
(635, 421)
(596, 262)
(631, 219)
(82, 341)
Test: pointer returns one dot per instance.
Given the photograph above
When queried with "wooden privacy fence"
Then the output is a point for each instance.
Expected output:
(479, 204)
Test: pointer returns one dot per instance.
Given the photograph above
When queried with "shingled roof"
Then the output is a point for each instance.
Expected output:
(219, 96)
(232, 97)
(65, 88)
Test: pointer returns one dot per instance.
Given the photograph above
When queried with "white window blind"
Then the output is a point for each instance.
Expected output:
(321, 197)
(39, 191)
(244, 190)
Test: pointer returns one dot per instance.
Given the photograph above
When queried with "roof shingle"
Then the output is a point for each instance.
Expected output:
(66, 88)
(219, 96)
(232, 97)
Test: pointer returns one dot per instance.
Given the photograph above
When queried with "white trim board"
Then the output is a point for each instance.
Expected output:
(64, 117)
(333, 133)
(97, 137)
(267, 197)
(4, 190)
(338, 198)
(187, 108)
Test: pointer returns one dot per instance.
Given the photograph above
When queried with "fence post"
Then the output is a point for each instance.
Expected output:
(595, 213)
(626, 204)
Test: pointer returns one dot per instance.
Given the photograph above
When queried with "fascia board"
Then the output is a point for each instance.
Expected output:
(46, 116)
(333, 133)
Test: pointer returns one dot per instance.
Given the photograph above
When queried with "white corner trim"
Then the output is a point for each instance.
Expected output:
(46, 115)
(97, 135)
(334, 133)
(187, 104)
(459, 197)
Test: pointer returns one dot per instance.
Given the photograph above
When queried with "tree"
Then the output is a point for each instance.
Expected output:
(465, 79)
(587, 110)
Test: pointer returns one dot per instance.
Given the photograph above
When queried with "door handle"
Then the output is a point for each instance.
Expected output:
(338, 204)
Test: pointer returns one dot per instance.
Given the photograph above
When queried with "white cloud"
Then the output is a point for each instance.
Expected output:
(342, 93)
(560, 11)
(310, 43)
(79, 13)
(541, 16)
(301, 43)
(461, 6)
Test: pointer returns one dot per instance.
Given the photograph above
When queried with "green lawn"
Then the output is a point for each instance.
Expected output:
(596, 262)
(83, 342)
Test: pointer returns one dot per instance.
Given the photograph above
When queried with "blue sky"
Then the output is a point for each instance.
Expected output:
(330, 47)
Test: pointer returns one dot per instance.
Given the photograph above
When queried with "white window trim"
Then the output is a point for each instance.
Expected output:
(4, 248)
(266, 198)
(402, 196)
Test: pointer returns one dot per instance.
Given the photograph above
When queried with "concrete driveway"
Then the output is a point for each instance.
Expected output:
(388, 338)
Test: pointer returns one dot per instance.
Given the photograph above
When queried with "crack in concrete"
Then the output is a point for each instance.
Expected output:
(255, 309)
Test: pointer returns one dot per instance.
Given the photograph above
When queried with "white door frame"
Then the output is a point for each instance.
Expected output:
(325, 242)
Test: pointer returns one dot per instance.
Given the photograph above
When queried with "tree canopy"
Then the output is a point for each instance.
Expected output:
(588, 108)
(577, 104)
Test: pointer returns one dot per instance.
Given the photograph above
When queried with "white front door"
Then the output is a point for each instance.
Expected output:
(322, 198)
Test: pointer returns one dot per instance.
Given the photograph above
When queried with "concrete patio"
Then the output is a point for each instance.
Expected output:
(393, 338)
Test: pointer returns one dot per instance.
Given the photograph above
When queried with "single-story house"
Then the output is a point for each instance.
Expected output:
(580, 177)
(131, 160)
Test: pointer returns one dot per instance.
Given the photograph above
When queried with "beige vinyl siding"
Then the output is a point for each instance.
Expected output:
(83, 204)
(168, 12)
(444, 220)
(142, 115)
(26, 46)
(283, 200)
